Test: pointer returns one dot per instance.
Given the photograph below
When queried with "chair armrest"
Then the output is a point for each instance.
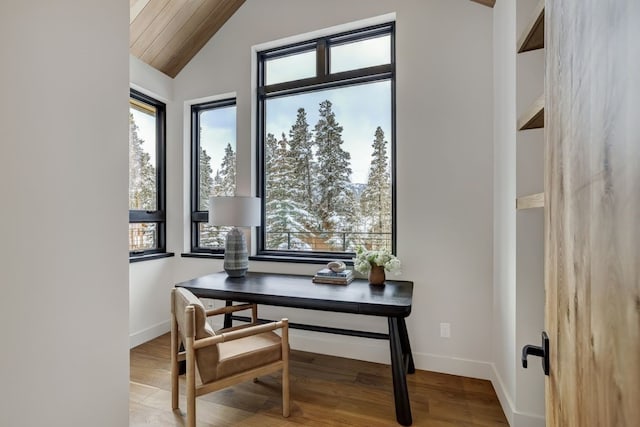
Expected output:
(233, 309)
(242, 333)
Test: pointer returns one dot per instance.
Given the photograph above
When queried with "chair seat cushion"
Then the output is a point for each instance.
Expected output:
(248, 353)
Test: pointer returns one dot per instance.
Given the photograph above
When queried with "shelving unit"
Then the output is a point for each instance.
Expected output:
(529, 225)
(489, 3)
(533, 118)
(533, 37)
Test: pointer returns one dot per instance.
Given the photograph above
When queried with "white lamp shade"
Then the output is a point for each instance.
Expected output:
(236, 211)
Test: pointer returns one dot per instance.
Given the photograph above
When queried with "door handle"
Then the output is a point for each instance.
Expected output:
(542, 351)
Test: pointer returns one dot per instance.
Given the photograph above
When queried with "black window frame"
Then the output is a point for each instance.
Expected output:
(323, 80)
(157, 216)
(198, 216)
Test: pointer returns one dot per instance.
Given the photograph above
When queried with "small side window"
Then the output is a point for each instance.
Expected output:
(147, 220)
(213, 168)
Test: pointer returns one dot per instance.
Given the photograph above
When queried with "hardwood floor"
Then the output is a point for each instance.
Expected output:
(325, 391)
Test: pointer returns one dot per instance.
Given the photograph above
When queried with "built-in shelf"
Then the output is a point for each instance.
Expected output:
(533, 36)
(489, 3)
(531, 201)
(533, 118)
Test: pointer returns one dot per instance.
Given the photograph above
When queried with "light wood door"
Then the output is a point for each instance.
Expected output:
(592, 212)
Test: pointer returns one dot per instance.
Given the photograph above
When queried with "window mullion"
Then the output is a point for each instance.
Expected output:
(345, 78)
(322, 59)
(146, 216)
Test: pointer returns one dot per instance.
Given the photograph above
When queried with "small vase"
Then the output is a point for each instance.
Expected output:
(376, 275)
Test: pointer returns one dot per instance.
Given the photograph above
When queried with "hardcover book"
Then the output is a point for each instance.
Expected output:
(325, 272)
(332, 280)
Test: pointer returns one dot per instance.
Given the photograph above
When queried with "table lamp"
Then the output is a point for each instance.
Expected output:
(236, 211)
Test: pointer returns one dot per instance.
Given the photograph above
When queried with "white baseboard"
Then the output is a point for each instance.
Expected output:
(527, 420)
(378, 351)
(515, 418)
(452, 365)
(503, 397)
(148, 334)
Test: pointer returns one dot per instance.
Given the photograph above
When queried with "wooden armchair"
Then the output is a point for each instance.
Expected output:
(225, 357)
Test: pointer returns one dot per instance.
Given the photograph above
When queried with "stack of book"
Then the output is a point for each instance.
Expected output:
(334, 278)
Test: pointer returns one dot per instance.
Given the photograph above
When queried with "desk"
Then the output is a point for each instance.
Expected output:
(392, 301)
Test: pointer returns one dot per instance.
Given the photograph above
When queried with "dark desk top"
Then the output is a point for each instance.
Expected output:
(285, 290)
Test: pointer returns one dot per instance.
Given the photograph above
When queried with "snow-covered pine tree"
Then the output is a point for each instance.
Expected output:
(302, 162)
(205, 178)
(142, 188)
(210, 236)
(303, 170)
(336, 205)
(142, 174)
(375, 201)
(224, 183)
(283, 212)
(272, 165)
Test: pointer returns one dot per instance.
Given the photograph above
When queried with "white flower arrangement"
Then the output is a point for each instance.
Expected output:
(365, 259)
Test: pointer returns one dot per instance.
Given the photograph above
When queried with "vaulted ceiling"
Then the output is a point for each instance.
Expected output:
(166, 34)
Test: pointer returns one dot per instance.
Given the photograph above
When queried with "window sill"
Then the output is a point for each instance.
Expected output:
(272, 258)
(147, 257)
(299, 259)
(202, 255)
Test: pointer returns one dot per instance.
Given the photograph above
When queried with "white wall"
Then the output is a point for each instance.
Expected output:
(445, 166)
(504, 194)
(63, 257)
(151, 281)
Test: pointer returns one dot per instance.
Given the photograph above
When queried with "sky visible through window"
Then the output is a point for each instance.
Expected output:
(218, 128)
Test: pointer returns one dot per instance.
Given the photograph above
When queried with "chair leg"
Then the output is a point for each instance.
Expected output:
(285, 391)
(191, 384)
(174, 363)
(285, 369)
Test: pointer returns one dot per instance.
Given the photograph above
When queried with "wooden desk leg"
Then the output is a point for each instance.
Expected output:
(227, 316)
(400, 390)
(406, 347)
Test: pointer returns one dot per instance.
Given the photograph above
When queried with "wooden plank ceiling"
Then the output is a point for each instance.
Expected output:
(166, 34)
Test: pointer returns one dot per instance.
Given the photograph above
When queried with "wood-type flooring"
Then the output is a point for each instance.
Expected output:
(325, 391)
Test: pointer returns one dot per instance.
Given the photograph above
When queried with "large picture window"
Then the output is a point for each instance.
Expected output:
(146, 175)
(326, 129)
(213, 168)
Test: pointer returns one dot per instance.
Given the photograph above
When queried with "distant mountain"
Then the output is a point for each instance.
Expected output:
(358, 188)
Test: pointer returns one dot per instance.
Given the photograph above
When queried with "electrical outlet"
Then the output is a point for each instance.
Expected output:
(445, 330)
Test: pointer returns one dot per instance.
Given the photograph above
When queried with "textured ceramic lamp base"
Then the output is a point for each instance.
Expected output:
(236, 257)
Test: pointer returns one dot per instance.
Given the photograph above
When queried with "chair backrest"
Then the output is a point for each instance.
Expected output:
(206, 358)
